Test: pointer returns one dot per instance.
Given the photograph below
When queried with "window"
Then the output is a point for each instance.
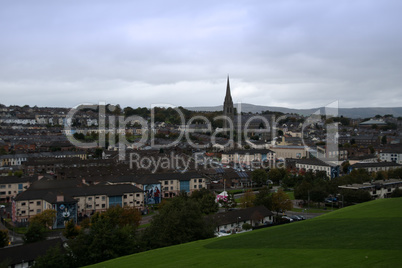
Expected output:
(165, 188)
(200, 180)
(125, 196)
(171, 188)
(23, 204)
(195, 186)
(97, 197)
(2, 186)
(89, 198)
(38, 203)
(137, 195)
(166, 182)
(20, 186)
(23, 212)
(103, 198)
(103, 205)
(199, 186)
(195, 180)
(171, 182)
(9, 186)
(38, 210)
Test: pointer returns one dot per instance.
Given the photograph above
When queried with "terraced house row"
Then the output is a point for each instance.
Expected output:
(74, 199)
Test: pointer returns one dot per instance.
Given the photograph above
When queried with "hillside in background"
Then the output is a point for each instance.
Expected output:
(367, 234)
(347, 112)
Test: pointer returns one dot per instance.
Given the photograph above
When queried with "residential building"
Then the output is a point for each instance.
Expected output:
(10, 186)
(315, 165)
(375, 166)
(232, 221)
(247, 157)
(391, 155)
(297, 152)
(24, 256)
(377, 189)
(71, 203)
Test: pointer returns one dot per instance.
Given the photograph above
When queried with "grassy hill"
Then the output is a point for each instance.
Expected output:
(365, 235)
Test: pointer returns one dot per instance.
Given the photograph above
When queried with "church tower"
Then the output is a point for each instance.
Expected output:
(228, 106)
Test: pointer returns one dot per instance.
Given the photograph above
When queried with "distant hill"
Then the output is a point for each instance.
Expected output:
(347, 112)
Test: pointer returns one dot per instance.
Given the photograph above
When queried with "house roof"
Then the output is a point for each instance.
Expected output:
(28, 252)
(251, 151)
(50, 195)
(154, 178)
(15, 179)
(313, 161)
(246, 214)
(376, 164)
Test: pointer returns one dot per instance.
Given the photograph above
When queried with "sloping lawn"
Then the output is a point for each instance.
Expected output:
(365, 235)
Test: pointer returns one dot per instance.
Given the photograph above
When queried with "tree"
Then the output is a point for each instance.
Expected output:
(3, 238)
(123, 216)
(54, 257)
(289, 181)
(355, 196)
(302, 190)
(179, 221)
(384, 139)
(263, 198)
(259, 176)
(396, 193)
(345, 167)
(105, 239)
(45, 218)
(318, 195)
(98, 153)
(36, 232)
(247, 200)
(275, 175)
(281, 202)
(71, 230)
(206, 201)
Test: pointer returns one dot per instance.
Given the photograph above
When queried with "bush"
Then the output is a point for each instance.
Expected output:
(246, 226)
(3, 238)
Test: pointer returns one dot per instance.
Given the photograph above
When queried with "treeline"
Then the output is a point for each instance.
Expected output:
(115, 232)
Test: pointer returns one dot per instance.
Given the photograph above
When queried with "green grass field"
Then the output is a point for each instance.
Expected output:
(365, 235)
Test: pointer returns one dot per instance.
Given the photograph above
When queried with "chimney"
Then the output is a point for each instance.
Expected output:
(60, 198)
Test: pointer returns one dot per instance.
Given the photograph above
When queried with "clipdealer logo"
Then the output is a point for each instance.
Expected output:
(113, 126)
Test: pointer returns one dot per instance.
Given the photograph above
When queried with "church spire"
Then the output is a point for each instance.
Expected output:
(228, 109)
(228, 97)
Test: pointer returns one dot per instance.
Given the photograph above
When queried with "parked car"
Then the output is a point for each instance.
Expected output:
(301, 217)
(295, 218)
(287, 218)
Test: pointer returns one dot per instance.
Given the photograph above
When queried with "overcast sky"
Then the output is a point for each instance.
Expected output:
(296, 54)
